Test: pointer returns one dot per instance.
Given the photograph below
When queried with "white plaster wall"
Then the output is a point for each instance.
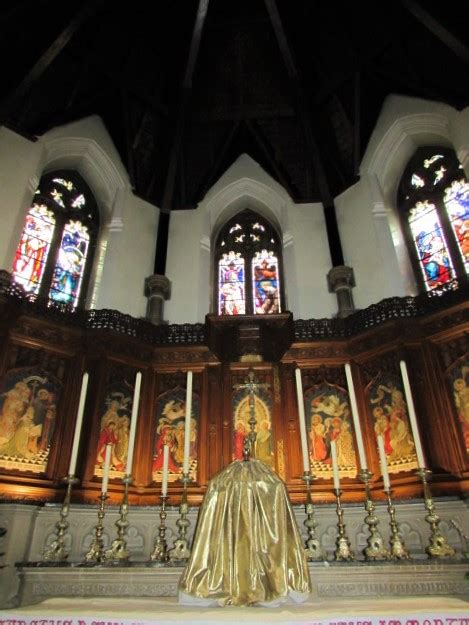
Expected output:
(128, 257)
(189, 275)
(307, 261)
(19, 159)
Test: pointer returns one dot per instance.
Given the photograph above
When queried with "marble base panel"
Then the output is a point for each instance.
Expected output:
(357, 580)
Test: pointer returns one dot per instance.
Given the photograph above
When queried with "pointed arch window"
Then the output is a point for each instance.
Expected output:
(248, 267)
(55, 253)
(433, 201)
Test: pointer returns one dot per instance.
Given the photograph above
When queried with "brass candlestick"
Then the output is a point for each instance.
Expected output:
(343, 551)
(180, 551)
(159, 554)
(96, 551)
(398, 549)
(118, 554)
(375, 549)
(313, 548)
(56, 552)
(438, 546)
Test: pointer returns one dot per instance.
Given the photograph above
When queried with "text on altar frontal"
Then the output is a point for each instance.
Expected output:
(440, 620)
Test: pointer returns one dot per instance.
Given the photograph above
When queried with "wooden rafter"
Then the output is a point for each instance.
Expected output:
(214, 168)
(45, 60)
(186, 87)
(324, 190)
(436, 28)
(268, 152)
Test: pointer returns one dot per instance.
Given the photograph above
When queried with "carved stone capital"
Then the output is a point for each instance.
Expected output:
(341, 281)
(157, 290)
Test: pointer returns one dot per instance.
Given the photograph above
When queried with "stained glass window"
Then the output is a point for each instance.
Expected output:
(265, 295)
(53, 258)
(435, 261)
(231, 286)
(457, 205)
(434, 204)
(33, 249)
(70, 264)
(248, 257)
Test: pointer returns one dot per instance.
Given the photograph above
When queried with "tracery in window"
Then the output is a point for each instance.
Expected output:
(54, 256)
(434, 206)
(248, 267)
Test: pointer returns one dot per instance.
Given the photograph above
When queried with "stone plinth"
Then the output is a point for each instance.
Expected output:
(157, 291)
(329, 580)
(341, 281)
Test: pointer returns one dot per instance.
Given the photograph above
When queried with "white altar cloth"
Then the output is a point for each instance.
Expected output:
(430, 610)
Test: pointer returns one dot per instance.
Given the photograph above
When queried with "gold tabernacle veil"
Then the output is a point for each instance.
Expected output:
(247, 548)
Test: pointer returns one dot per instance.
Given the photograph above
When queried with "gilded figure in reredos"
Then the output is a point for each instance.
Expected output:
(328, 418)
(170, 426)
(114, 427)
(459, 379)
(390, 415)
(241, 407)
(28, 410)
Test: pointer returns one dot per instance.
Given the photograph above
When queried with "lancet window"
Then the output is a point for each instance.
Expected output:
(248, 266)
(53, 258)
(434, 206)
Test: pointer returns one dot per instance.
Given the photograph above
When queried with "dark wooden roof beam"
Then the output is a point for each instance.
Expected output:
(45, 60)
(268, 152)
(437, 29)
(214, 168)
(186, 88)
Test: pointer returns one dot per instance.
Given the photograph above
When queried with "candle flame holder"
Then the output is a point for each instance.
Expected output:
(313, 548)
(375, 549)
(56, 552)
(118, 553)
(181, 551)
(159, 555)
(343, 552)
(438, 546)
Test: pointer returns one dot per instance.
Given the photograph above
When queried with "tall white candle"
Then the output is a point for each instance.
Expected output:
(78, 424)
(133, 423)
(383, 464)
(335, 466)
(187, 423)
(355, 417)
(412, 417)
(164, 483)
(302, 418)
(107, 465)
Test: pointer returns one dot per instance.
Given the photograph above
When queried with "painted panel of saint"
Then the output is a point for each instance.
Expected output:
(328, 418)
(263, 449)
(391, 421)
(28, 409)
(116, 412)
(459, 377)
(170, 420)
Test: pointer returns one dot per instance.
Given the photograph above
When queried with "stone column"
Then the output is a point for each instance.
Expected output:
(157, 290)
(341, 281)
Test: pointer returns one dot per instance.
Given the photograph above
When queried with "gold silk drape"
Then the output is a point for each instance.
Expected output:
(247, 548)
